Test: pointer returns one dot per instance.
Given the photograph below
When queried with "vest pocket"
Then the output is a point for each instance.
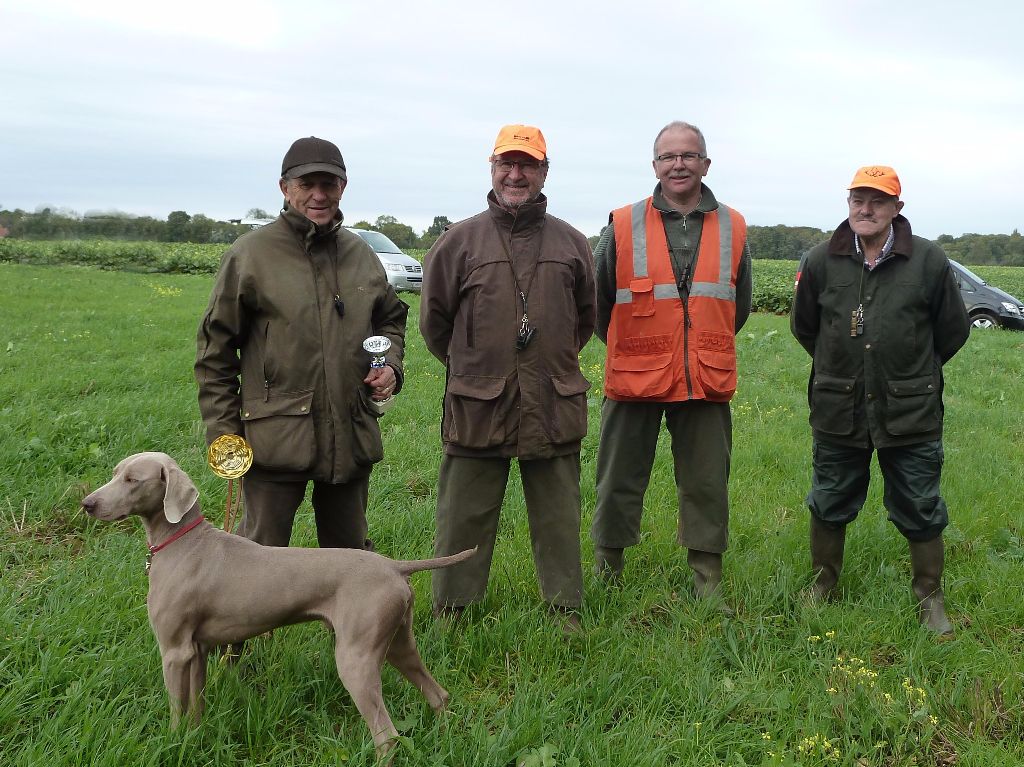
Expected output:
(642, 303)
(913, 406)
(280, 431)
(472, 415)
(831, 403)
(640, 375)
(716, 372)
(569, 408)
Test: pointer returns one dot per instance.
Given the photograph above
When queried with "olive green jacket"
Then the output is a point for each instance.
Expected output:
(882, 388)
(281, 362)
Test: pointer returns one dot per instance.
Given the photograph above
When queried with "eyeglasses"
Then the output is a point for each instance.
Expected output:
(688, 158)
(525, 166)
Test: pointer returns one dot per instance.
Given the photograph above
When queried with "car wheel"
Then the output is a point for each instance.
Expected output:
(984, 320)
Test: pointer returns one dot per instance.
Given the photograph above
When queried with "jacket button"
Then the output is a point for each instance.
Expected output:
(871, 396)
(302, 409)
(867, 346)
(246, 414)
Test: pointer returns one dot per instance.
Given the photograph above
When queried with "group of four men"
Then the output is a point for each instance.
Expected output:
(510, 297)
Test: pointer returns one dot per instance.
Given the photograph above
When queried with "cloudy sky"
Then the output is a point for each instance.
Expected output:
(191, 105)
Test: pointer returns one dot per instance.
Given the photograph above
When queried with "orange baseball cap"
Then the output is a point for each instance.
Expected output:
(880, 177)
(521, 138)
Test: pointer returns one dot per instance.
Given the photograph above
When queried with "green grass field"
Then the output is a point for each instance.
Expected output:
(95, 365)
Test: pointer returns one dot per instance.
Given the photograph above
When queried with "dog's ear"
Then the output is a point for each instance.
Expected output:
(179, 492)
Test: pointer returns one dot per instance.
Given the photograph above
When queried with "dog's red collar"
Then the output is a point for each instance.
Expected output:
(154, 549)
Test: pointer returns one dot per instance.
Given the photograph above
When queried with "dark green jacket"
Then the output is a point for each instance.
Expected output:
(882, 388)
(277, 363)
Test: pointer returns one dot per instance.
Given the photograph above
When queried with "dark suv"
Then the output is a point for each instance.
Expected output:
(988, 307)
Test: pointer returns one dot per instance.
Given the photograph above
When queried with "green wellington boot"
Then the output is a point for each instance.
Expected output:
(927, 561)
(827, 547)
(608, 562)
(707, 577)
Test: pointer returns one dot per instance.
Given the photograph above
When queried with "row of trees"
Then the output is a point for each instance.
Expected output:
(180, 226)
(50, 224)
(402, 234)
(771, 242)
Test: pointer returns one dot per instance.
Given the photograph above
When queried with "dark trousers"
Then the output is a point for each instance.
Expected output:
(340, 511)
(701, 452)
(470, 492)
(911, 474)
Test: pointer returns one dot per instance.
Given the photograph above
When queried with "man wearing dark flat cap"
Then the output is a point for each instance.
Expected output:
(280, 358)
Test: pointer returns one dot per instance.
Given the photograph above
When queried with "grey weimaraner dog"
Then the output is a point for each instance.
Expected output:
(208, 588)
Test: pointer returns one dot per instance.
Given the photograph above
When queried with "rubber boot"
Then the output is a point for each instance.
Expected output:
(827, 547)
(707, 577)
(449, 615)
(927, 561)
(567, 618)
(608, 562)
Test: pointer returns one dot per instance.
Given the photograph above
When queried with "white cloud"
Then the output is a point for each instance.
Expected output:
(191, 106)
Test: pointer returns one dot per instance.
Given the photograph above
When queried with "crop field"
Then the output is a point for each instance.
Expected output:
(773, 280)
(96, 364)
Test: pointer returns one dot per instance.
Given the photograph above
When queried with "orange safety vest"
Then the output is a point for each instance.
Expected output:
(659, 350)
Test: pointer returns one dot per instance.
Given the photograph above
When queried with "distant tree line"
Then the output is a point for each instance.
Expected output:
(768, 242)
(50, 224)
(790, 242)
(403, 235)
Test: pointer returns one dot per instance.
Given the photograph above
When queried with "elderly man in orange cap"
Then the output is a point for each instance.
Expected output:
(508, 302)
(879, 311)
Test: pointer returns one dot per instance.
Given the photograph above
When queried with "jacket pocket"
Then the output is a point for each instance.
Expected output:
(280, 431)
(831, 401)
(640, 375)
(569, 408)
(472, 418)
(716, 372)
(367, 445)
(913, 406)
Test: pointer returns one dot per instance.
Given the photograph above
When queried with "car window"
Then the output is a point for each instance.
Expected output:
(379, 242)
(964, 270)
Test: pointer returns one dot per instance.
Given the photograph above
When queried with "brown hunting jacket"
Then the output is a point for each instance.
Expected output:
(499, 400)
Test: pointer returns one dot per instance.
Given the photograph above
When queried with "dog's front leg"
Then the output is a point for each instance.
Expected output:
(197, 683)
(178, 676)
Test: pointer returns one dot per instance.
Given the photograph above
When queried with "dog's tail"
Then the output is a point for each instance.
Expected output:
(408, 566)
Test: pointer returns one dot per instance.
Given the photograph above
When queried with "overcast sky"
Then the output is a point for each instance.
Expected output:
(148, 108)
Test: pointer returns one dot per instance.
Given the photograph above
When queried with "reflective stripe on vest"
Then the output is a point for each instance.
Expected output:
(723, 288)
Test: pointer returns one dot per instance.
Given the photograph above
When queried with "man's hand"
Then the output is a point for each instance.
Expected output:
(382, 381)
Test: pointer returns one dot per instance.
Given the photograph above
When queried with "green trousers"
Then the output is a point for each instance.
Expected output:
(910, 475)
(340, 511)
(701, 452)
(470, 492)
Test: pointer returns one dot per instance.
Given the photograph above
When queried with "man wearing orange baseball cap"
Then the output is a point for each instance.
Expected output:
(879, 311)
(507, 304)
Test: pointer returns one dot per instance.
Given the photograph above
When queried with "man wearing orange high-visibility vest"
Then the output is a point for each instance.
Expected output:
(673, 289)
